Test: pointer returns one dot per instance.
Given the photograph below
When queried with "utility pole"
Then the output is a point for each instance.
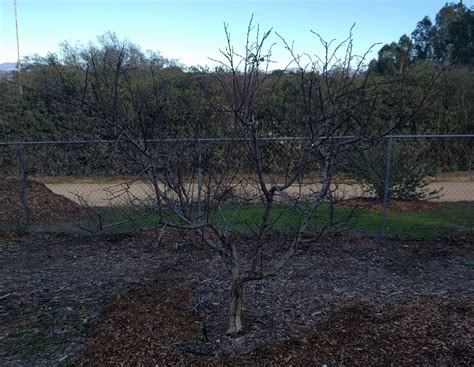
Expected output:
(18, 49)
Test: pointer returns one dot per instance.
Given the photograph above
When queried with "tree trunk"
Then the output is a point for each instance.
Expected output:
(235, 310)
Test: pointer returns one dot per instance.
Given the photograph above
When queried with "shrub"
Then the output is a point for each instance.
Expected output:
(411, 166)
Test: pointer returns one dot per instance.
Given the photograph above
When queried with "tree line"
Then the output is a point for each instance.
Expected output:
(43, 111)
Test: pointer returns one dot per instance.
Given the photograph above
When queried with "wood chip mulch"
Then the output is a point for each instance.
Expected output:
(45, 206)
(424, 331)
(122, 300)
(157, 325)
(147, 326)
(153, 327)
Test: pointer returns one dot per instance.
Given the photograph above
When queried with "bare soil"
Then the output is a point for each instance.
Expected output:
(122, 300)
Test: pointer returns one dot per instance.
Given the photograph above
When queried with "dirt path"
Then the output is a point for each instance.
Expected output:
(118, 193)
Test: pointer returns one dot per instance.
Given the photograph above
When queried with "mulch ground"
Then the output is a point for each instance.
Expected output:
(122, 300)
(433, 331)
(154, 326)
(45, 206)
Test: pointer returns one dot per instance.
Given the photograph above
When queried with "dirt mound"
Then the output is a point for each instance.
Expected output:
(393, 205)
(45, 206)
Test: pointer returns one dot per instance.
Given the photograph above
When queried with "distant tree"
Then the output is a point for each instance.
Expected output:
(423, 38)
(448, 42)
(394, 57)
(450, 39)
(452, 36)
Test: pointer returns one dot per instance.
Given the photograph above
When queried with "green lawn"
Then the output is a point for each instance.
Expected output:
(448, 219)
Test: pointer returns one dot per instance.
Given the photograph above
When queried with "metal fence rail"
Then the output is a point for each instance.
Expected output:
(224, 139)
(92, 174)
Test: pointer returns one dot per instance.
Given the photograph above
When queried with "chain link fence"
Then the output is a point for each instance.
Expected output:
(403, 185)
(432, 177)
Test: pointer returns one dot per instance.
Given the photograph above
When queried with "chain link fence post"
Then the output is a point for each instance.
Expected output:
(388, 167)
(24, 187)
(200, 180)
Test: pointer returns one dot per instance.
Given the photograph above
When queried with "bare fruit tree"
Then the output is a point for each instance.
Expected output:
(243, 179)
(332, 112)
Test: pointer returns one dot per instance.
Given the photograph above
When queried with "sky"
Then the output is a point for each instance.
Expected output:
(192, 30)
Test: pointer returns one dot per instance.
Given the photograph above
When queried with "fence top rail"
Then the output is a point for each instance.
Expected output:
(425, 136)
(166, 140)
(230, 139)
